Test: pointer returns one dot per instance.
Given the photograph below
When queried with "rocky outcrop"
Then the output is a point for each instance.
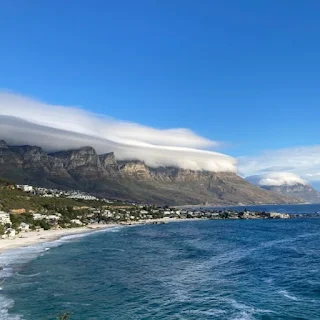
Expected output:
(83, 157)
(135, 170)
(103, 175)
(23, 156)
(108, 161)
(82, 164)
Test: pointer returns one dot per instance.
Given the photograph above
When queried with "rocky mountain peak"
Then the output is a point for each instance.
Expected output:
(87, 149)
(108, 160)
(31, 156)
(135, 168)
(85, 156)
(27, 149)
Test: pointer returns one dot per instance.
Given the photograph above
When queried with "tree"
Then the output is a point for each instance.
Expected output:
(43, 224)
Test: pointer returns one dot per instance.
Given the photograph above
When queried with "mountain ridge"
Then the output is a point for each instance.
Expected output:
(303, 191)
(133, 180)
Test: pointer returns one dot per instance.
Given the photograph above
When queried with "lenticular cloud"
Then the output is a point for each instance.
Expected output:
(273, 179)
(27, 121)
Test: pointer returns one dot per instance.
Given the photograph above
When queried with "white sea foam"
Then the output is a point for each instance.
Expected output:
(5, 305)
(208, 313)
(69, 237)
(8, 260)
(286, 294)
(20, 256)
(245, 312)
(269, 280)
(25, 254)
(243, 315)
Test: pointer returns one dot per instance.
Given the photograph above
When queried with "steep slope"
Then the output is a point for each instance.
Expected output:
(130, 180)
(187, 186)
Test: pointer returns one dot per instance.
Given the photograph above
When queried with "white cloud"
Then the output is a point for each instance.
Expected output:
(315, 174)
(302, 161)
(277, 179)
(27, 121)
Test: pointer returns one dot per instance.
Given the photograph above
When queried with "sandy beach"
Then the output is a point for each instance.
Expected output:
(24, 239)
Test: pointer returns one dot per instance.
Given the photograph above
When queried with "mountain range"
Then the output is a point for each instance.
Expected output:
(298, 189)
(102, 175)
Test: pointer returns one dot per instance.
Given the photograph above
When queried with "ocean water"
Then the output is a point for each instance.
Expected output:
(224, 269)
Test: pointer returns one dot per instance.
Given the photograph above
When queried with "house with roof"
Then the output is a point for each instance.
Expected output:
(9, 234)
(24, 227)
(5, 218)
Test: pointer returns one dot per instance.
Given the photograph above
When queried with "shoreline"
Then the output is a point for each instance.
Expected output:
(30, 238)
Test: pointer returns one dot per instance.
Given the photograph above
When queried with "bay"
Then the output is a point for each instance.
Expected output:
(225, 269)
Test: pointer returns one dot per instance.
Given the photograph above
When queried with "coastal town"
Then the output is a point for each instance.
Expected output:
(71, 209)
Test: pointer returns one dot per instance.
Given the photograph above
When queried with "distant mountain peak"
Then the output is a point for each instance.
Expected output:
(108, 160)
(287, 184)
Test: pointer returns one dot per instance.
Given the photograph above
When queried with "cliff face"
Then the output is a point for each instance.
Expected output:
(82, 164)
(134, 170)
(130, 180)
(25, 157)
(108, 161)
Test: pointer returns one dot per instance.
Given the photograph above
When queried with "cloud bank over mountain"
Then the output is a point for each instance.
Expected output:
(301, 161)
(28, 121)
(274, 179)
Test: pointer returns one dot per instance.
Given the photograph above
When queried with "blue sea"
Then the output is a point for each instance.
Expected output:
(193, 270)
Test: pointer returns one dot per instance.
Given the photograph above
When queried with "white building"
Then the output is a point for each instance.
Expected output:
(10, 233)
(108, 214)
(38, 216)
(52, 217)
(48, 195)
(277, 215)
(76, 221)
(24, 227)
(4, 218)
(25, 188)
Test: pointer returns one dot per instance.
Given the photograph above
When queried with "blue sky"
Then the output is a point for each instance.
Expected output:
(243, 72)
